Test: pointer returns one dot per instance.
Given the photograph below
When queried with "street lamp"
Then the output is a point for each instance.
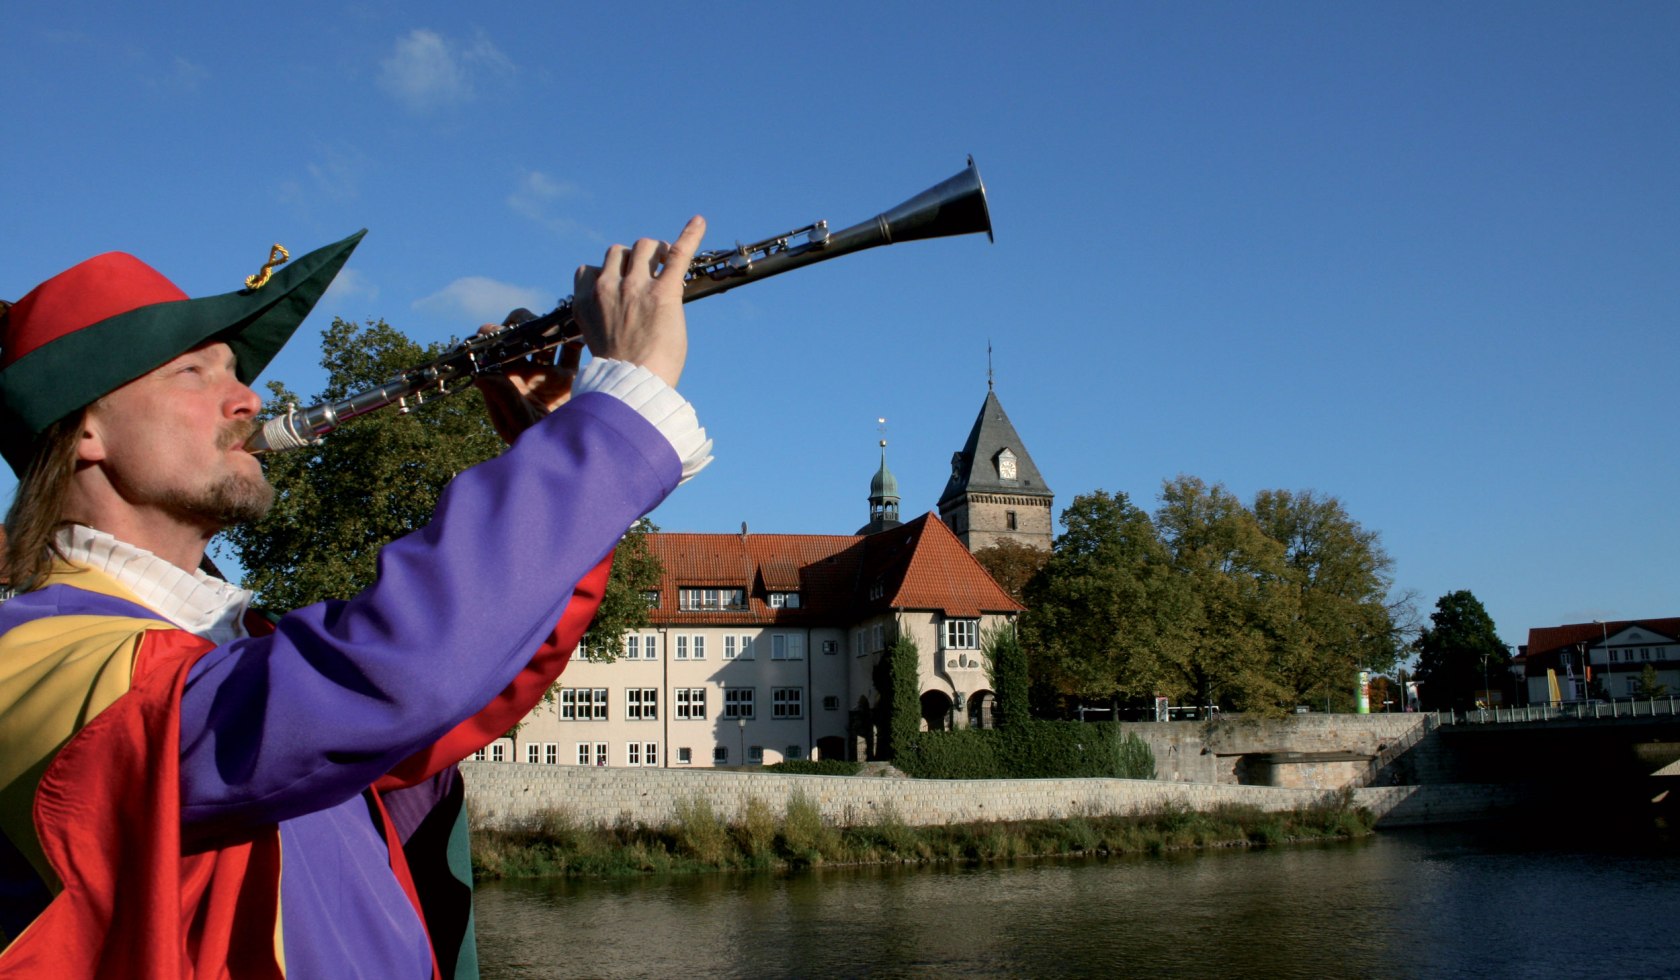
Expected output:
(1604, 631)
(741, 723)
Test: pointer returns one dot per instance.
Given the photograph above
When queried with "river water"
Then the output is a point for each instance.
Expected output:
(1402, 904)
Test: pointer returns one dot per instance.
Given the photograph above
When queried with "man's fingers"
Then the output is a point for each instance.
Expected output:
(681, 252)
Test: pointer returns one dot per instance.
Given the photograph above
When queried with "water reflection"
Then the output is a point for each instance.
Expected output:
(1399, 905)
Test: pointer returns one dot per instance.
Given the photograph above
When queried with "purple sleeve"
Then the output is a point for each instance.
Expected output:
(276, 726)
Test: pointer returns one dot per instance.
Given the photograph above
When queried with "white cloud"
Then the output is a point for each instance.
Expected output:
(483, 300)
(536, 197)
(349, 286)
(427, 71)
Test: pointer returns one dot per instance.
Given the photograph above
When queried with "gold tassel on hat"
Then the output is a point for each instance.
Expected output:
(276, 256)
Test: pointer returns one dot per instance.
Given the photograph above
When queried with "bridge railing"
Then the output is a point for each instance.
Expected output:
(1574, 711)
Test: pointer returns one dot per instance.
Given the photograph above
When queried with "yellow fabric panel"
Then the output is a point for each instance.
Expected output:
(56, 674)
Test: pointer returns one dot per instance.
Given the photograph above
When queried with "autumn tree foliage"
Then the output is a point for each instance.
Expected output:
(1213, 601)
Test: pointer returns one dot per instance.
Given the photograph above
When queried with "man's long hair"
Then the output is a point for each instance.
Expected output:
(37, 510)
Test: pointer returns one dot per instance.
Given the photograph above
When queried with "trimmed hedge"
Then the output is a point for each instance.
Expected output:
(816, 767)
(1029, 750)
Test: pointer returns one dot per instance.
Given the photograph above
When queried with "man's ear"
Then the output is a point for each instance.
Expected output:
(90, 445)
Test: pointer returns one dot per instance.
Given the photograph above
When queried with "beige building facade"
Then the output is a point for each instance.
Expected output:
(768, 647)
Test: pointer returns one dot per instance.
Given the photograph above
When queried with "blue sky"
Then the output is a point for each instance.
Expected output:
(1418, 256)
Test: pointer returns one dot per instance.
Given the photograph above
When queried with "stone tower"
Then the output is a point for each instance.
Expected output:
(995, 492)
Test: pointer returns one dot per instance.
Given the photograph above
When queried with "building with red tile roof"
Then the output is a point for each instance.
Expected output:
(1600, 659)
(765, 647)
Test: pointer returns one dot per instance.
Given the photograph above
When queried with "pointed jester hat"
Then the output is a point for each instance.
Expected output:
(98, 325)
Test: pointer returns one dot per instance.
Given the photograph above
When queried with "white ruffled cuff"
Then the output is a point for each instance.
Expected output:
(655, 401)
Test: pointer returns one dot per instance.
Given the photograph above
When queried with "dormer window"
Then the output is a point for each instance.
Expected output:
(1006, 465)
(784, 600)
(711, 600)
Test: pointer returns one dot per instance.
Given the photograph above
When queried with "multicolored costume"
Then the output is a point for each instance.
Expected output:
(283, 804)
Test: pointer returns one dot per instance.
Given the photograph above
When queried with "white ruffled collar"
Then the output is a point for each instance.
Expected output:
(194, 601)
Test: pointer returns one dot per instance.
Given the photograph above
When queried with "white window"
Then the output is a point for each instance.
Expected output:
(788, 702)
(551, 753)
(685, 756)
(498, 751)
(784, 600)
(699, 647)
(650, 753)
(632, 647)
(879, 637)
(682, 647)
(481, 755)
(583, 704)
(737, 702)
(720, 755)
(744, 649)
(729, 648)
(641, 704)
(962, 634)
(585, 753)
(711, 600)
(600, 753)
(533, 752)
(691, 703)
(787, 646)
(632, 753)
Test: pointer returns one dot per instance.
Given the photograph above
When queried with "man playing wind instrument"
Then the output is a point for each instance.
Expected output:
(189, 789)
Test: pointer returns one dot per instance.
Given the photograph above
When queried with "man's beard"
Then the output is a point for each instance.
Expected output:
(230, 500)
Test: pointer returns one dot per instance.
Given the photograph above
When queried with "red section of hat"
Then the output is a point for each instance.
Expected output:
(102, 287)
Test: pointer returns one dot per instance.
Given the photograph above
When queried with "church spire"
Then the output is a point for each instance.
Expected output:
(883, 493)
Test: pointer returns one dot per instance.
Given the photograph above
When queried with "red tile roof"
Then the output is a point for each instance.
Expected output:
(1546, 639)
(919, 565)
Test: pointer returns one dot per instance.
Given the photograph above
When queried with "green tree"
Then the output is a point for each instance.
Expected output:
(1094, 613)
(1342, 619)
(1006, 666)
(1648, 686)
(379, 477)
(904, 676)
(1456, 652)
(1232, 625)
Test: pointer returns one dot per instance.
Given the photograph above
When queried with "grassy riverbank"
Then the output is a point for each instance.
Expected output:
(701, 840)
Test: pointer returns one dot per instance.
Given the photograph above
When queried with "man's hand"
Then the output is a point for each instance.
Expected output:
(630, 306)
(524, 391)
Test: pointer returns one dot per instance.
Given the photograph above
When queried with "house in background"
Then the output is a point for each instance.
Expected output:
(764, 647)
(1613, 655)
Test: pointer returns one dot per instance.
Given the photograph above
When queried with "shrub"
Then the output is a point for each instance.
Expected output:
(700, 832)
(1030, 750)
(817, 767)
(806, 838)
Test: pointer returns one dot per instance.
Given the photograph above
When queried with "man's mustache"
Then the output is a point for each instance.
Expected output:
(237, 433)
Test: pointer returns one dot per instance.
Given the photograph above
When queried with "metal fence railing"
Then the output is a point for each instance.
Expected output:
(1607, 709)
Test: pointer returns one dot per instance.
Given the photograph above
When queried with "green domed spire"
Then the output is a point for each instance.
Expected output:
(883, 498)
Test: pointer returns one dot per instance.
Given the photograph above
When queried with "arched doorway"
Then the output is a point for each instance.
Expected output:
(981, 705)
(831, 747)
(936, 710)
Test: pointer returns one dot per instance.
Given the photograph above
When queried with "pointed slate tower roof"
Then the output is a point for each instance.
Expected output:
(994, 460)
